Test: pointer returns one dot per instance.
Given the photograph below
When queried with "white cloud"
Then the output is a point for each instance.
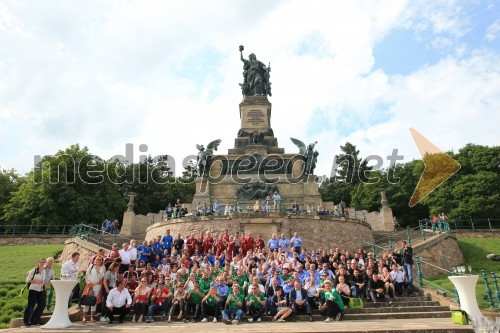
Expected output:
(492, 31)
(166, 74)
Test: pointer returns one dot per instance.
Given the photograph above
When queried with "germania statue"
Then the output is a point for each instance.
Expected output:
(255, 75)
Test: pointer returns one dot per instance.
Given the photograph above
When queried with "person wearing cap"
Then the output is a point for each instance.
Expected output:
(235, 302)
(161, 299)
(178, 302)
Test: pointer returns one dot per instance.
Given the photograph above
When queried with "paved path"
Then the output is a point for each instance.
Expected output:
(394, 325)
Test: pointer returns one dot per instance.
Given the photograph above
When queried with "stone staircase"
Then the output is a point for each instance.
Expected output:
(405, 308)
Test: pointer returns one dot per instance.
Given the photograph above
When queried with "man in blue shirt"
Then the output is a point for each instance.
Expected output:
(283, 243)
(167, 242)
(216, 207)
(302, 273)
(326, 271)
(296, 242)
(223, 291)
(144, 252)
(158, 247)
(289, 286)
(273, 243)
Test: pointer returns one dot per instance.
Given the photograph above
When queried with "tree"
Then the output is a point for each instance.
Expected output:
(10, 181)
(68, 188)
(349, 170)
(153, 184)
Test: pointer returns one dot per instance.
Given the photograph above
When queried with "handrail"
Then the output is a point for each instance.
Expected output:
(95, 235)
(428, 263)
(34, 229)
(439, 287)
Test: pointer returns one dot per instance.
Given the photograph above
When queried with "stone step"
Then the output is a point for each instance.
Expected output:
(367, 304)
(397, 309)
(398, 315)
(356, 316)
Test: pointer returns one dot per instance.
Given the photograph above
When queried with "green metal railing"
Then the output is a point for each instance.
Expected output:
(472, 224)
(388, 242)
(492, 296)
(97, 236)
(33, 229)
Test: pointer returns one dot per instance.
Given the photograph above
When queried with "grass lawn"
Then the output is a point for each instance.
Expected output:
(475, 251)
(17, 260)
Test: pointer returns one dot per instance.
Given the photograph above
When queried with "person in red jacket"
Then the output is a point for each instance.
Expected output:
(230, 247)
(250, 242)
(243, 248)
(226, 235)
(219, 246)
(208, 243)
(190, 243)
(259, 243)
(200, 242)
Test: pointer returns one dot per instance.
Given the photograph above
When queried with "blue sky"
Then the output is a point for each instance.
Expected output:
(166, 74)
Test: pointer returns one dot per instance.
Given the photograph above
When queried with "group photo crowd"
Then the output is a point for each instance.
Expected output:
(228, 278)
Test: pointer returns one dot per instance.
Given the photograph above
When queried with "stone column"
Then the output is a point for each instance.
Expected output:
(131, 204)
(385, 212)
(128, 223)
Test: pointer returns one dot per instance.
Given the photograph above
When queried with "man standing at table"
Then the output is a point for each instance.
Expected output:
(118, 302)
(69, 271)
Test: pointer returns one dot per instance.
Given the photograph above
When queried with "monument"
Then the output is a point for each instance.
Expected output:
(254, 169)
(256, 166)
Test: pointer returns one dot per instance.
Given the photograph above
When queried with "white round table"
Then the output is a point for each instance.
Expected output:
(60, 318)
(466, 288)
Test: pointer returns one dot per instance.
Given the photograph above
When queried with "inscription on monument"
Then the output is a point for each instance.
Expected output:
(255, 117)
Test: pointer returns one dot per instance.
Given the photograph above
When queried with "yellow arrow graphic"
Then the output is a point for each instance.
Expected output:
(438, 167)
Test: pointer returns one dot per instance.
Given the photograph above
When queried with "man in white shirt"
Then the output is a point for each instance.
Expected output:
(69, 270)
(133, 252)
(118, 302)
(125, 255)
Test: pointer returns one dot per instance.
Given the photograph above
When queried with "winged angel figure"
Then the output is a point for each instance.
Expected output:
(309, 153)
(204, 156)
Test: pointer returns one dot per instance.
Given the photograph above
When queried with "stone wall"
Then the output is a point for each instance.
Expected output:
(86, 249)
(324, 231)
(31, 239)
(441, 251)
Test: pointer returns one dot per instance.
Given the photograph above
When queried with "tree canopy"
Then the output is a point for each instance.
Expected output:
(473, 192)
(73, 186)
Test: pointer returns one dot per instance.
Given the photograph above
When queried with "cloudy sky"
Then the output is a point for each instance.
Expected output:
(166, 74)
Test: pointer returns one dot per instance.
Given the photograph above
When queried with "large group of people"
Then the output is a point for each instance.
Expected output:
(228, 278)
(269, 204)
